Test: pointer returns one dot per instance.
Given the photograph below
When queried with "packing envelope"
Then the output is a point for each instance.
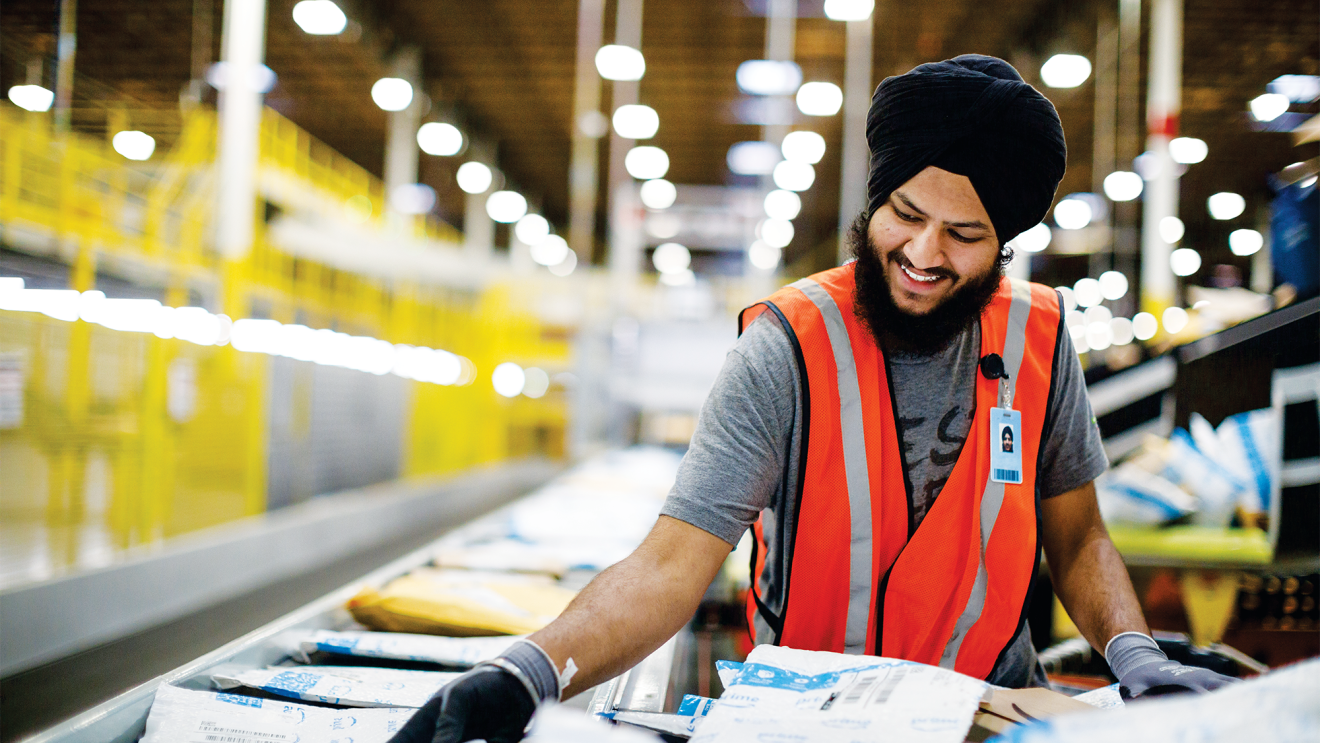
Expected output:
(350, 686)
(804, 696)
(461, 602)
(184, 716)
(462, 652)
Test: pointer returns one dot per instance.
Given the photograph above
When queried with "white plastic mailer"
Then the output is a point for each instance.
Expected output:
(461, 652)
(799, 695)
(350, 686)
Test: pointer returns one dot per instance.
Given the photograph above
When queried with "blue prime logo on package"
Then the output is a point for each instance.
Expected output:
(293, 681)
(238, 699)
(1005, 446)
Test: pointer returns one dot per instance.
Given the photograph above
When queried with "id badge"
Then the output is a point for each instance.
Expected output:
(1005, 446)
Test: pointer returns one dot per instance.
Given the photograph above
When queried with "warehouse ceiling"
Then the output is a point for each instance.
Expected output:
(503, 71)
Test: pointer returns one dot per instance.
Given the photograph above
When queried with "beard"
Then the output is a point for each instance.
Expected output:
(928, 333)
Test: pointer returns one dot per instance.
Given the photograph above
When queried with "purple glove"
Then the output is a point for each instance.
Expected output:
(1143, 670)
(493, 702)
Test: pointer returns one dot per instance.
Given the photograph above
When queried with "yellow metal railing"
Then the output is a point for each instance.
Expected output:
(127, 438)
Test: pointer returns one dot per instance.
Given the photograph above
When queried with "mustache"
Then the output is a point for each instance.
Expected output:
(896, 255)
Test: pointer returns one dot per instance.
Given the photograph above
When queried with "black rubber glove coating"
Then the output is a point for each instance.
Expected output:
(484, 703)
(1168, 677)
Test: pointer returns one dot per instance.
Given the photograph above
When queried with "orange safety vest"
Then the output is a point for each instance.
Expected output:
(954, 592)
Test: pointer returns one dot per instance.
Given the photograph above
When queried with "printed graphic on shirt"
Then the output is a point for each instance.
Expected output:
(930, 450)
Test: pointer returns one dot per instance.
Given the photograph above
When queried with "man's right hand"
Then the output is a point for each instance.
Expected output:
(485, 703)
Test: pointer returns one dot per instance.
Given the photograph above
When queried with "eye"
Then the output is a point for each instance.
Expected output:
(963, 238)
(905, 216)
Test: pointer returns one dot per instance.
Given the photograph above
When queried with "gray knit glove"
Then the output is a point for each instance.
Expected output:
(1143, 670)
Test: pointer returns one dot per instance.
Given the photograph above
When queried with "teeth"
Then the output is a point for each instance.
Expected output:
(915, 277)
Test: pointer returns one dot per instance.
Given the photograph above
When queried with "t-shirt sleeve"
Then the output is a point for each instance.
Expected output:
(739, 449)
(1072, 454)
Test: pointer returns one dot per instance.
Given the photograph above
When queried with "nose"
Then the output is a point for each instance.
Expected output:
(924, 249)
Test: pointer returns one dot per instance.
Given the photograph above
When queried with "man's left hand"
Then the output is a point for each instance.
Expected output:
(1144, 671)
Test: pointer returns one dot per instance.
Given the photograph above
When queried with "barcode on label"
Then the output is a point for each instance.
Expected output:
(891, 683)
(859, 689)
(1008, 475)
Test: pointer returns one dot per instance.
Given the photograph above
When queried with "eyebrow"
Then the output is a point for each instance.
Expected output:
(974, 224)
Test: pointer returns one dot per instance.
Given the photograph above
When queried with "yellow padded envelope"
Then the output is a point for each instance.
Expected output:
(461, 603)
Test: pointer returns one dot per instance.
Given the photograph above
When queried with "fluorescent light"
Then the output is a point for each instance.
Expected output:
(1184, 262)
(1269, 106)
(752, 158)
(1113, 285)
(671, 258)
(645, 163)
(508, 379)
(781, 204)
(1188, 150)
(618, 62)
(777, 233)
(1072, 214)
(260, 78)
(1123, 185)
(506, 206)
(1296, 88)
(551, 251)
(31, 97)
(532, 229)
(658, 193)
(1245, 242)
(1171, 230)
(1065, 70)
(474, 177)
(1225, 205)
(319, 17)
(763, 256)
(768, 77)
(1033, 240)
(819, 99)
(438, 138)
(1120, 329)
(794, 176)
(134, 145)
(803, 147)
(849, 10)
(635, 121)
(1144, 326)
(392, 93)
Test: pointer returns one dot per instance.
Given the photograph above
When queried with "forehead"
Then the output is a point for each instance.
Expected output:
(943, 195)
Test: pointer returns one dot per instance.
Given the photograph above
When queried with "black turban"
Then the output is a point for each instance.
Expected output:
(973, 116)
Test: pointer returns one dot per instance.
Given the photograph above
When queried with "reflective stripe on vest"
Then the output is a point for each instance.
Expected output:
(947, 601)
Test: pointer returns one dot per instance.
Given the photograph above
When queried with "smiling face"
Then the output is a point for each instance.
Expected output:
(933, 238)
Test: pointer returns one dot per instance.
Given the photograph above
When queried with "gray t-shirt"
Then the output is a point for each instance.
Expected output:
(743, 458)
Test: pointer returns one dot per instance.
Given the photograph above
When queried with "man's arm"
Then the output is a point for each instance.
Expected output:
(1087, 572)
(635, 606)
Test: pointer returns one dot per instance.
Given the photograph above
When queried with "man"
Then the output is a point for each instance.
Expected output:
(853, 427)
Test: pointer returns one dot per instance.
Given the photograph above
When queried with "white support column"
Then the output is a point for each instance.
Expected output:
(856, 156)
(243, 49)
(625, 249)
(1105, 133)
(401, 150)
(780, 45)
(478, 227)
(583, 179)
(1159, 289)
(1126, 241)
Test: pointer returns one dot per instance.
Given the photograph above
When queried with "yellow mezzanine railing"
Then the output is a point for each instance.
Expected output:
(122, 438)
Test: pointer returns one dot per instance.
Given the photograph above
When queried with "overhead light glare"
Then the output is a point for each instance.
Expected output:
(532, 229)
(551, 251)
(658, 193)
(506, 207)
(1245, 242)
(849, 10)
(1171, 230)
(646, 163)
(31, 97)
(1113, 285)
(1123, 185)
(260, 78)
(1269, 106)
(1087, 292)
(1144, 326)
(764, 256)
(508, 379)
(566, 266)
(768, 77)
(1188, 150)
(319, 17)
(819, 99)
(440, 139)
(1033, 240)
(1072, 214)
(536, 382)
(392, 93)
(782, 204)
(1296, 88)
(671, 258)
(1226, 205)
(803, 147)
(412, 198)
(1121, 332)
(777, 233)
(619, 62)
(474, 177)
(752, 158)
(1175, 319)
(134, 145)
(635, 121)
(1065, 70)
(1184, 262)
(794, 176)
